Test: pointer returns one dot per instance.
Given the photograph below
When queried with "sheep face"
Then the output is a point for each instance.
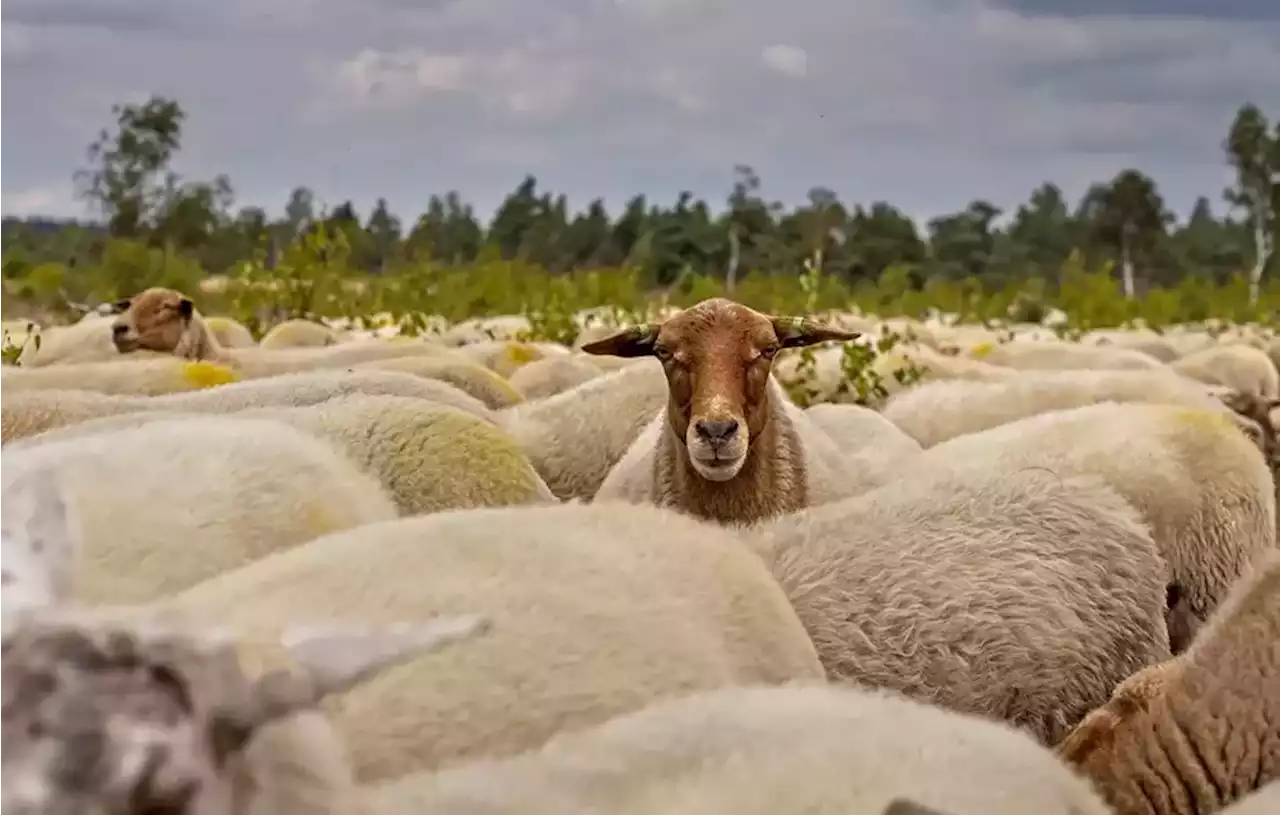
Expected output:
(1132, 696)
(155, 320)
(102, 720)
(717, 356)
(1260, 422)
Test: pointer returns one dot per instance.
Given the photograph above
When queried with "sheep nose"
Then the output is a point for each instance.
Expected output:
(119, 330)
(716, 430)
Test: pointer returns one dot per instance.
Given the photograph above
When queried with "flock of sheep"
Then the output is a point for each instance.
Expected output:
(343, 572)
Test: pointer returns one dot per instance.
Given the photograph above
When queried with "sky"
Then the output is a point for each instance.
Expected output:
(928, 104)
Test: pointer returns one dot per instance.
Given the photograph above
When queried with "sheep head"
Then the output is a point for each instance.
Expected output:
(157, 319)
(1259, 411)
(100, 718)
(718, 356)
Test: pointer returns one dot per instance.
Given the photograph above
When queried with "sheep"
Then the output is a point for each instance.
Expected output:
(166, 321)
(824, 380)
(1147, 341)
(1023, 597)
(88, 340)
(938, 411)
(143, 377)
(597, 610)
(100, 716)
(464, 375)
(763, 751)
(162, 506)
(1200, 483)
(503, 357)
(1040, 355)
(730, 445)
(481, 329)
(574, 438)
(230, 333)
(1207, 734)
(1263, 801)
(1264, 416)
(39, 539)
(299, 334)
(28, 413)
(427, 456)
(1238, 367)
(874, 445)
(552, 375)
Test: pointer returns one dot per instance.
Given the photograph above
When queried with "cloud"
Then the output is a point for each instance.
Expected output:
(55, 200)
(926, 103)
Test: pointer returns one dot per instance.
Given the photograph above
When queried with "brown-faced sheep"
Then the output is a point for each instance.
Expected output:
(1200, 483)
(1021, 597)
(597, 610)
(1208, 732)
(730, 445)
(810, 749)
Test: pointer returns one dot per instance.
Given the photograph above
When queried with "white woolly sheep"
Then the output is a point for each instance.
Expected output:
(125, 377)
(465, 375)
(88, 340)
(1040, 355)
(1200, 483)
(552, 375)
(503, 357)
(28, 413)
(730, 445)
(100, 716)
(1147, 341)
(230, 333)
(574, 438)
(481, 329)
(299, 334)
(1207, 735)
(428, 457)
(39, 540)
(874, 445)
(1239, 367)
(938, 411)
(764, 751)
(597, 610)
(162, 506)
(1022, 597)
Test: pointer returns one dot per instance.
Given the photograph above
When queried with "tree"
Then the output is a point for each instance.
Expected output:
(1128, 216)
(129, 177)
(1255, 155)
(384, 234)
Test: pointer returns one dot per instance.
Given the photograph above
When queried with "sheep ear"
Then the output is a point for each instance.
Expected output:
(185, 307)
(906, 806)
(636, 341)
(797, 332)
(336, 658)
(38, 519)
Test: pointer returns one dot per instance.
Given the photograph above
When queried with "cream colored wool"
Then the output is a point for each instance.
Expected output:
(463, 374)
(1238, 367)
(597, 610)
(123, 376)
(230, 333)
(1033, 355)
(299, 334)
(552, 375)
(1021, 597)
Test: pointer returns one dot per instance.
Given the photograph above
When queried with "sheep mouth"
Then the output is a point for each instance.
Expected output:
(718, 467)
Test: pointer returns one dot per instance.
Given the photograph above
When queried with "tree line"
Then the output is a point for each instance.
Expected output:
(129, 182)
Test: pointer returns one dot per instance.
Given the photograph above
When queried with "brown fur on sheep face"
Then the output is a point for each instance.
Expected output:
(157, 319)
(718, 356)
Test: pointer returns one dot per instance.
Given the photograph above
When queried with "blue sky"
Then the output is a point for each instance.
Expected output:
(926, 103)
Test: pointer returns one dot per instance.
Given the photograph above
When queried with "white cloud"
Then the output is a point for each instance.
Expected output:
(786, 60)
(55, 200)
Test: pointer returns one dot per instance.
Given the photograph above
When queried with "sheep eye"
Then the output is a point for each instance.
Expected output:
(662, 353)
(769, 352)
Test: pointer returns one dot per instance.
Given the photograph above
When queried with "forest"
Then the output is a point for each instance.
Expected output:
(1116, 254)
